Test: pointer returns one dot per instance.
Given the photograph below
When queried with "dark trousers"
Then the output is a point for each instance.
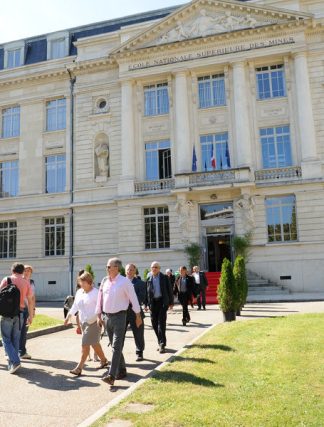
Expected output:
(158, 319)
(115, 327)
(201, 298)
(137, 332)
(23, 333)
(183, 299)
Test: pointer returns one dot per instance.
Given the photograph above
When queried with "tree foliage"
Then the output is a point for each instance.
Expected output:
(193, 252)
(241, 280)
(227, 290)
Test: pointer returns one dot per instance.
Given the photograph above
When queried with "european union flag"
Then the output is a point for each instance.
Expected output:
(194, 160)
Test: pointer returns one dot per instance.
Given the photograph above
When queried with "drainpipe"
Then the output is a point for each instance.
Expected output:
(71, 251)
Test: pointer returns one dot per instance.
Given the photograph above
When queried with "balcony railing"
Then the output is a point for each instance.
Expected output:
(291, 172)
(158, 185)
(210, 178)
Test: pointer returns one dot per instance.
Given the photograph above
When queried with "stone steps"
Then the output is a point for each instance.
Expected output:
(262, 290)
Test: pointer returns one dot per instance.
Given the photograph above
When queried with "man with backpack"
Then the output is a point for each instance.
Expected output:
(13, 292)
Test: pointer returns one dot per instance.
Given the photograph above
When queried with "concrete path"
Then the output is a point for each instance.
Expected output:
(43, 393)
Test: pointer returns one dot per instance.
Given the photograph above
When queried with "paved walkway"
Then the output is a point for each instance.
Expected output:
(43, 393)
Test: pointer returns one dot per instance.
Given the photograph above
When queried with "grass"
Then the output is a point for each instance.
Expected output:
(267, 372)
(42, 321)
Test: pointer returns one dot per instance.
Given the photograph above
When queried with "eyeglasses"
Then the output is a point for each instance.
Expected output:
(109, 266)
(155, 266)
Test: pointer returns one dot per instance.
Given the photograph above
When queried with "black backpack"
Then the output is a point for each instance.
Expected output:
(9, 300)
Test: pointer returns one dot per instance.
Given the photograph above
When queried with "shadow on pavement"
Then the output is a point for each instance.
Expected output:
(44, 379)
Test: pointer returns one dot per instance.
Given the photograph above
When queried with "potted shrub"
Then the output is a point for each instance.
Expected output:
(227, 292)
(242, 245)
(241, 282)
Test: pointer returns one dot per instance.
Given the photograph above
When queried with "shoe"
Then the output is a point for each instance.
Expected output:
(139, 358)
(199, 308)
(162, 349)
(204, 308)
(184, 323)
(121, 375)
(109, 379)
(96, 358)
(14, 368)
(103, 365)
(25, 356)
(76, 371)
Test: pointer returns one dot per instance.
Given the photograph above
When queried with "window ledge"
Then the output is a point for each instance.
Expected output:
(46, 132)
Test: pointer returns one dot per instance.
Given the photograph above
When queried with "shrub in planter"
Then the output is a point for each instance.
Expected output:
(227, 291)
(193, 251)
(241, 282)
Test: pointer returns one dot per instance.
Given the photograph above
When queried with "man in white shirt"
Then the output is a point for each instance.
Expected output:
(115, 294)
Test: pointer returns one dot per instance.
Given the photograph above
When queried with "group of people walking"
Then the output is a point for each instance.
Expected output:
(118, 303)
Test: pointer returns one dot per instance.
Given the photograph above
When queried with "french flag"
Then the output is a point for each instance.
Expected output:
(212, 158)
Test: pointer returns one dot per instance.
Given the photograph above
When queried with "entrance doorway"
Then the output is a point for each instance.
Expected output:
(217, 229)
(218, 248)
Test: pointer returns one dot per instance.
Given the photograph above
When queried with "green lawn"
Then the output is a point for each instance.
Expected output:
(267, 372)
(41, 321)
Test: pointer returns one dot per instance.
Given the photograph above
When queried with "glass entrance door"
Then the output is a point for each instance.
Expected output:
(218, 248)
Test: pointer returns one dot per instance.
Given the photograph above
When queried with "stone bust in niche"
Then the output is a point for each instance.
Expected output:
(102, 156)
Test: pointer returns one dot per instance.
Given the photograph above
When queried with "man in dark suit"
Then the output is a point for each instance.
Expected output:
(184, 288)
(159, 298)
(140, 290)
(201, 286)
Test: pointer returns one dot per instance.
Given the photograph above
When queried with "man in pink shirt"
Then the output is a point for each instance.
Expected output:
(11, 326)
(115, 294)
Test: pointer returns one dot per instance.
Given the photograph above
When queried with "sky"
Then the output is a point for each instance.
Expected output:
(20, 19)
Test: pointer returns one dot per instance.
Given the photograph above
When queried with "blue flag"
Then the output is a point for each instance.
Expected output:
(194, 160)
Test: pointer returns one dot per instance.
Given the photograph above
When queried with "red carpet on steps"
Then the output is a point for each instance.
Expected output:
(213, 282)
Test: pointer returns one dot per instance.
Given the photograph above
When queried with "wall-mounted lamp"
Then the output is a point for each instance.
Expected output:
(213, 196)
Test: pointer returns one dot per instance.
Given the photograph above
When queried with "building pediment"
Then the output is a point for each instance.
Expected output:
(204, 18)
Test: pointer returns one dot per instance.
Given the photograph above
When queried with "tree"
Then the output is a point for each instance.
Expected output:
(193, 251)
(241, 280)
(88, 268)
(242, 244)
(227, 290)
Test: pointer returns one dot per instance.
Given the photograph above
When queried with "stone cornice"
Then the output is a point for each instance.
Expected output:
(33, 72)
(235, 36)
(231, 5)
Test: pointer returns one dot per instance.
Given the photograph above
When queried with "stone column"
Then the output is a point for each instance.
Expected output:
(183, 146)
(310, 163)
(241, 116)
(126, 185)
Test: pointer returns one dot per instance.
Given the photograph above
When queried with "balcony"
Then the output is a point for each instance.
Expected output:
(279, 174)
(154, 186)
(212, 178)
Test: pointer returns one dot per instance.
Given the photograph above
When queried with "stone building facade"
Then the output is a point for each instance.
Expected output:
(136, 137)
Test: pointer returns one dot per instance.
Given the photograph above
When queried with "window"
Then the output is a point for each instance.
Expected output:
(56, 114)
(14, 54)
(275, 144)
(14, 58)
(281, 219)
(55, 173)
(214, 152)
(11, 122)
(156, 99)
(9, 178)
(58, 48)
(58, 45)
(54, 236)
(8, 239)
(157, 233)
(271, 81)
(211, 90)
(158, 160)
